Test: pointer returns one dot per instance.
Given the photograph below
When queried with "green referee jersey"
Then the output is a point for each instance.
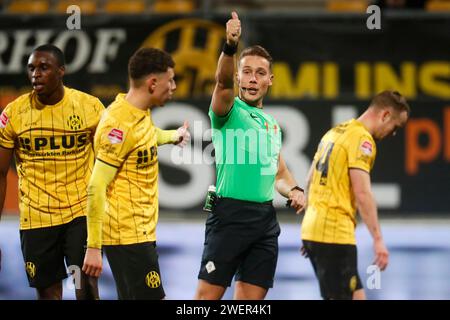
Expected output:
(247, 144)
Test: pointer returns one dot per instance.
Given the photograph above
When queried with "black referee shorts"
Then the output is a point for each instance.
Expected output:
(336, 269)
(241, 240)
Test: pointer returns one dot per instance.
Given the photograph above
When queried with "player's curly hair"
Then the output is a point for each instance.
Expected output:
(146, 61)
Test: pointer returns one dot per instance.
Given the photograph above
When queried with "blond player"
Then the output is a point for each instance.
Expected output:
(338, 184)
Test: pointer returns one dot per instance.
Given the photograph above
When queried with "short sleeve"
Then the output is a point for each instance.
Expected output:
(113, 142)
(361, 152)
(7, 134)
(218, 122)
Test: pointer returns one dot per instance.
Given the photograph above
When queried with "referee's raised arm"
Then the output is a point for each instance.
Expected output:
(223, 95)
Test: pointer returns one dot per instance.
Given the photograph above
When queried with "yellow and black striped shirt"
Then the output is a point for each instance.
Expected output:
(331, 213)
(126, 138)
(54, 155)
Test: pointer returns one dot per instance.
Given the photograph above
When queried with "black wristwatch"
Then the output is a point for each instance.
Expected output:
(297, 188)
(288, 203)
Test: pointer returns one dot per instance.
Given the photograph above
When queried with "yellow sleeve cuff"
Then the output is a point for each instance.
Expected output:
(166, 136)
(101, 177)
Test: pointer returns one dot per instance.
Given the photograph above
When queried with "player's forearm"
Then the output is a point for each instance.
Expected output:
(225, 72)
(2, 191)
(96, 202)
(102, 175)
(368, 211)
(166, 136)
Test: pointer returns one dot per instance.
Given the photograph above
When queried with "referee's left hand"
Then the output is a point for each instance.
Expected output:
(297, 200)
(184, 135)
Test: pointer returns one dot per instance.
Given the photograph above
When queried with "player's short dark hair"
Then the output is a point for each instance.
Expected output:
(392, 99)
(257, 51)
(146, 61)
(54, 50)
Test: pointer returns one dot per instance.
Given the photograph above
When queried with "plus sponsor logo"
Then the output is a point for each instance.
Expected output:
(54, 145)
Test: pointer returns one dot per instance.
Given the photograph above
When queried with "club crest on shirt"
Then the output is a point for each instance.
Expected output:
(115, 136)
(74, 122)
(3, 120)
(366, 148)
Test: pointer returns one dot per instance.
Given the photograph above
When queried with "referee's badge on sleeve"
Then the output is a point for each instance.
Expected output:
(366, 148)
(115, 136)
(3, 120)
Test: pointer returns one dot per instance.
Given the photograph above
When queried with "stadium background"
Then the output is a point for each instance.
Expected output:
(327, 66)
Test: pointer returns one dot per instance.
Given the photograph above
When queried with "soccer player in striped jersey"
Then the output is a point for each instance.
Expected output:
(50, 130)
(339, 183)
(123, 190)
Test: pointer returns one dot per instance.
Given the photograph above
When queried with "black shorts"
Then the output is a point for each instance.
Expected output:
(336, 269)
(241, 238)
(136, 271)
(44, 251)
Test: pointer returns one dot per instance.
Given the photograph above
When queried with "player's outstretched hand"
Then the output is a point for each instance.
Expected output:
(184, 135)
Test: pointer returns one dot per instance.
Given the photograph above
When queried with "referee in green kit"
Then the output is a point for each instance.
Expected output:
(241, 236)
